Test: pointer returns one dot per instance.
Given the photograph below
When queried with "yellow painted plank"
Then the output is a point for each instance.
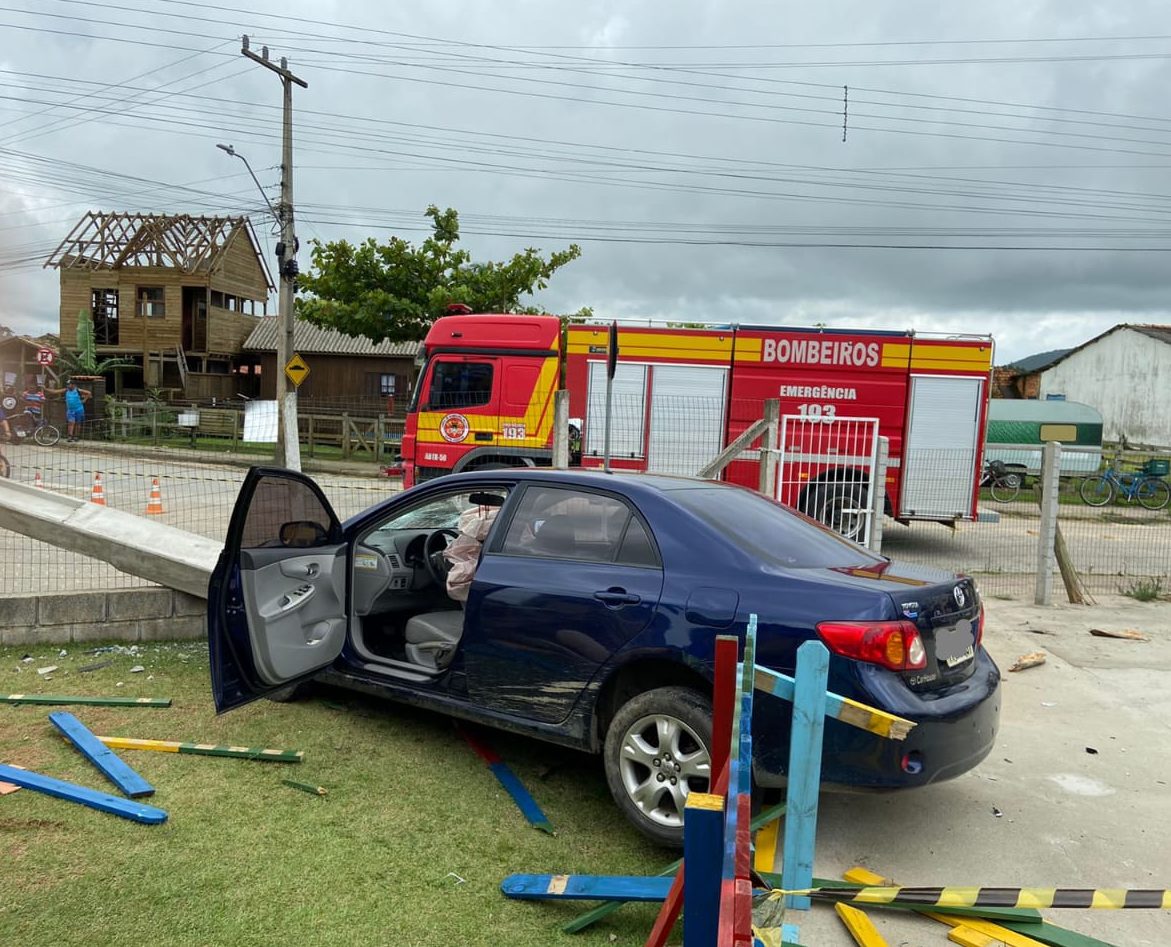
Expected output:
(767, 840)
(969, 937)
(130, 743)
(860, 926)
(864, 876)
(999, 935)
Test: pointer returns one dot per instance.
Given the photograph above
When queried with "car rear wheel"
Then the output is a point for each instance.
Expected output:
(657, 752)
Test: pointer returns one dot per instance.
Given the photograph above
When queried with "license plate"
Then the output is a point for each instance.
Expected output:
(955, 645)
(961, 658)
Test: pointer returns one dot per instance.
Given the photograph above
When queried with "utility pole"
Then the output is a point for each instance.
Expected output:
(288, 449)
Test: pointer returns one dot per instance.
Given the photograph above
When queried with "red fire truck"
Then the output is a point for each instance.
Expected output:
(680, 395)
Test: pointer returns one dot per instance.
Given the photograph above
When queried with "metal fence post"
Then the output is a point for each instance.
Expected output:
(561, 429)
(1048, 486)
(768, 448)
(878, 494)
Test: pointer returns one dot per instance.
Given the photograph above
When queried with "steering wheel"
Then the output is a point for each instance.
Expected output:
(437, 566)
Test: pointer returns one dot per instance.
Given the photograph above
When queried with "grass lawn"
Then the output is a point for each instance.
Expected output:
(244, 860)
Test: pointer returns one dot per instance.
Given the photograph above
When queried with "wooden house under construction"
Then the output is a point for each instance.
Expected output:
(174, 294)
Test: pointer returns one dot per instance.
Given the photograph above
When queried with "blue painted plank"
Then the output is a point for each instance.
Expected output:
(127, 809)
(586, 887)
(703, 831)
(805, 745)
(105, 759)
(521, 796)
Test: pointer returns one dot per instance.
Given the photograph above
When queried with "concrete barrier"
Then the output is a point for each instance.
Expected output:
(133, 544)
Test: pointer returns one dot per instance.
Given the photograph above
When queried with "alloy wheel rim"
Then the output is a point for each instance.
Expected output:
(662, 760)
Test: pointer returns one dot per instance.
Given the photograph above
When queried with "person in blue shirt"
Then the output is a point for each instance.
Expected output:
(75, 399)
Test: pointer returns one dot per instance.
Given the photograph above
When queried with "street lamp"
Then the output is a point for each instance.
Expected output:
(232, 152)
(288, 449)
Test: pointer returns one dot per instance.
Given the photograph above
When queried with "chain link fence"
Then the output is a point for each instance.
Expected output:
(194, 493)
(1114, 542)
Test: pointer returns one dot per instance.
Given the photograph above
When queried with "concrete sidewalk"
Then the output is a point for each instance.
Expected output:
(1068, 817)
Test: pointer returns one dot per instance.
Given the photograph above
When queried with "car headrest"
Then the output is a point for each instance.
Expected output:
(556, 537)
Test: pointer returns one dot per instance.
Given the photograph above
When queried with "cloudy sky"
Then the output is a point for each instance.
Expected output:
(1006, 166)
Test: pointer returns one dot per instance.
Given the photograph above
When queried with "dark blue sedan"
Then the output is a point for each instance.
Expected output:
(582, 608)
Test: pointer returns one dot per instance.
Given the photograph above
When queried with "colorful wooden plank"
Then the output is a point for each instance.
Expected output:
(967, 937)
(511, 783)
(845, 709)
(206, 749)
(88, 701)
(524, 887)
(727, 653)
(584, 920)
(1050, 934)
(766, 845)
(860, 926)
(723, 707)
(994, 932)
(103, 802)
(805, 744)
(703, 830)
(127, 780)
(735, 923)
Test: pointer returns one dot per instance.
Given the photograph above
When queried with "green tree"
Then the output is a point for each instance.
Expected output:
(395, 290)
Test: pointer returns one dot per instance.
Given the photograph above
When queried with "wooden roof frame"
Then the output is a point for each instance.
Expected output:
(114, 241)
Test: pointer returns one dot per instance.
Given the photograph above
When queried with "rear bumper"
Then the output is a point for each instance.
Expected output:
(955, 729)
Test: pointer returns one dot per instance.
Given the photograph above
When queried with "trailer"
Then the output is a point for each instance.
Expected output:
(1018, 429)
(679, 395)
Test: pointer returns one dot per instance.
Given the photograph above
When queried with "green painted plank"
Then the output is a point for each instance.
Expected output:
(91, 701)
(1053, 935)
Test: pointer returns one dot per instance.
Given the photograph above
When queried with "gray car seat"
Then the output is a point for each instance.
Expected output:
(432, 638)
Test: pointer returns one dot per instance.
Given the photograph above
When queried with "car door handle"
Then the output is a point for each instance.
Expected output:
(616, 598)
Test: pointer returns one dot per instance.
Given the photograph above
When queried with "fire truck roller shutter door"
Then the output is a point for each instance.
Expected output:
(629, 409)
(939, 459)
(687, 417)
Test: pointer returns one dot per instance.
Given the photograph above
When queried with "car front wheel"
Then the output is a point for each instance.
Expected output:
(657, 752)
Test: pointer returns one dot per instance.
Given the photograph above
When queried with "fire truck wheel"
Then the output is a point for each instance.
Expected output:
(841, 506)
(657, 751)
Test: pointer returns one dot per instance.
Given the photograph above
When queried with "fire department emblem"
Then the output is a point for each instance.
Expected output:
(454, 428)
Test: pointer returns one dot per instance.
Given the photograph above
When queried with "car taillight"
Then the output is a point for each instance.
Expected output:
(892, 644)
(980, 626)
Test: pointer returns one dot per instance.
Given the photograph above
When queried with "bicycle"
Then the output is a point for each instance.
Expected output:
(1144, 485)
(29, 424)
(1004, 484)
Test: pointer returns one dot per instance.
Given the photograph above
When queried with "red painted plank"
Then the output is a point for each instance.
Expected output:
(723, 699)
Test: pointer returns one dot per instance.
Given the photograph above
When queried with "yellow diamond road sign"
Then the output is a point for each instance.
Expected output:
(296, 370)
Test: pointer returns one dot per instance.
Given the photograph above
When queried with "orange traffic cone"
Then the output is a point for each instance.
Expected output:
(38, 482)
(98, 494)
(154, 506)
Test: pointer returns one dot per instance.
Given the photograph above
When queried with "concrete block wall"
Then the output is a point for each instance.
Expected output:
(153, 614)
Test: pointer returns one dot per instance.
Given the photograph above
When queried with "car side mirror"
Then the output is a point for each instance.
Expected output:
(301, 534)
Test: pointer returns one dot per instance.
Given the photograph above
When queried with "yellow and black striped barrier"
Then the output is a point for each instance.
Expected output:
(1110, 899)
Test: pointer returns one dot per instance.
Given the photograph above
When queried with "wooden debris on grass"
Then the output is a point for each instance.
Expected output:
(306, 787)
(103, 802)
(127, 780)
(205, 749)
(88, 701)
(1031, 660)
